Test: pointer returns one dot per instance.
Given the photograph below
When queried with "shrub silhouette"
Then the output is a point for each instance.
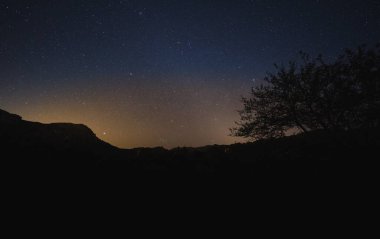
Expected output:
(313, 95)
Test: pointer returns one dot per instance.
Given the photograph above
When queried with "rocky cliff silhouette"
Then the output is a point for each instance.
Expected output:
(31, 149)
(27, 138)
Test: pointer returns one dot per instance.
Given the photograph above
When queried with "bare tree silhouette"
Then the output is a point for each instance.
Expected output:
(314, 94)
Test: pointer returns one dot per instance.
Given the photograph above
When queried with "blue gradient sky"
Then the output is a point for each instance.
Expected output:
(152, 73)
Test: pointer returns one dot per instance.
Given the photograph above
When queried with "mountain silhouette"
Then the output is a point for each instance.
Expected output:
(30, 137)
(31, 149)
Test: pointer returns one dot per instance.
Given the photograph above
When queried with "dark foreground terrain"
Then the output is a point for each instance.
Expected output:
(30, 150)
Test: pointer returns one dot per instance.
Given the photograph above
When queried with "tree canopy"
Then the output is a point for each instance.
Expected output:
(313, 94)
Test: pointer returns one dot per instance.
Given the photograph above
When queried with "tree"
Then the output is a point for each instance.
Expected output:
(314, 95)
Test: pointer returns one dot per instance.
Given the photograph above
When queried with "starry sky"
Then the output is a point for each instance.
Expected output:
(144, 73)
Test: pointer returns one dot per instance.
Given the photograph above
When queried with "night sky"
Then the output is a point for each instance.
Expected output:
(161, 72)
